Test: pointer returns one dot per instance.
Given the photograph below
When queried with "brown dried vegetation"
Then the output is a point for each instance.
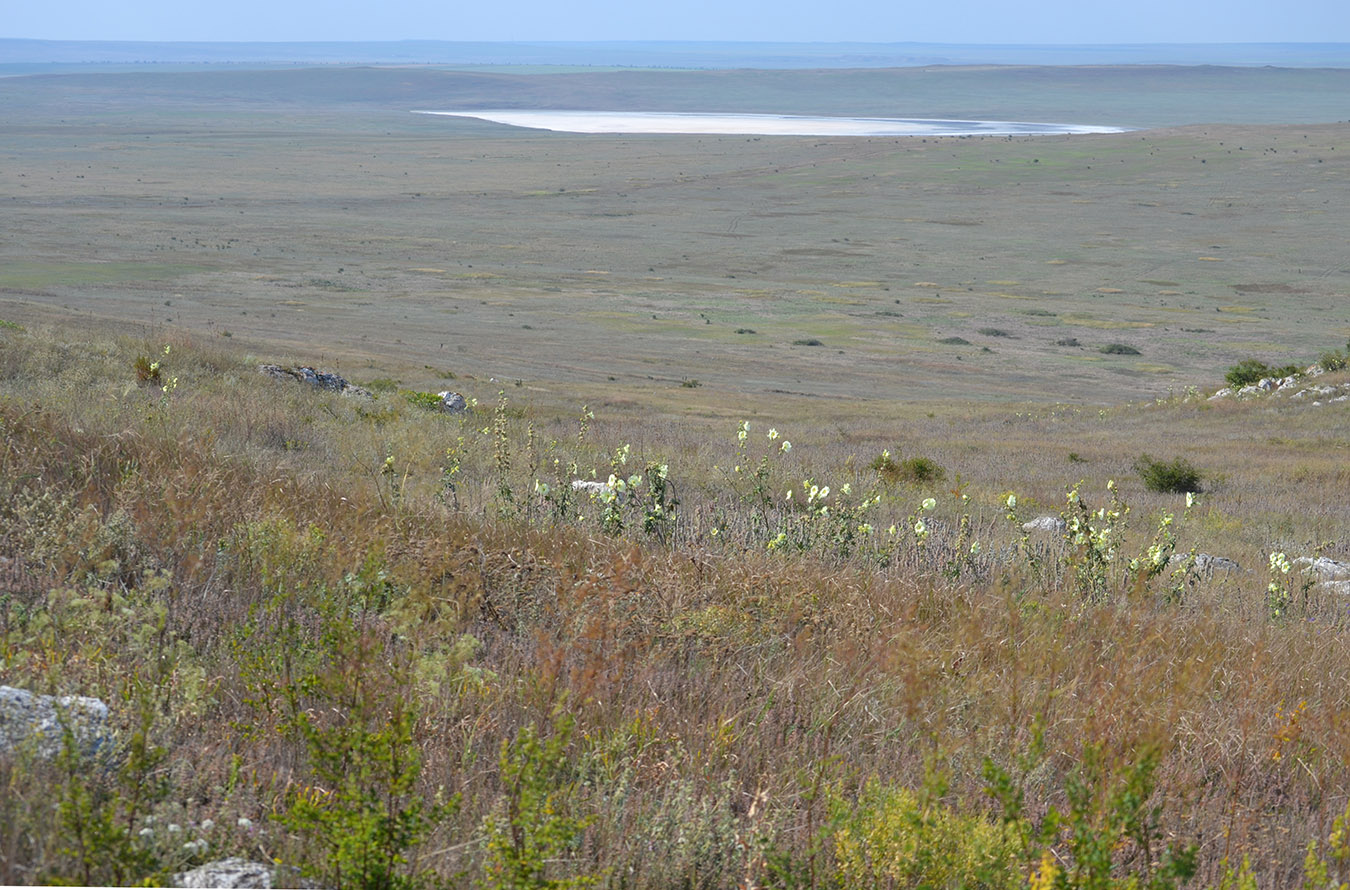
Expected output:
(231, 561)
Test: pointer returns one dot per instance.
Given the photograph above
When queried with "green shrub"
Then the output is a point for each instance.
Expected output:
(1119, 349)
(1334, 361)
(891, 838)
(425, 400)
(955, 341)
(807, 341)
(1176, 477)
(1250, 370)
(911, 469)
(532, 837)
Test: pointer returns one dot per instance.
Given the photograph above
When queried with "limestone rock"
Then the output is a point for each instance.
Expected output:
(39, 720)
(596, 490)
(317, 379)
(1325, 569)
(1045, 524)
(453, 403)
(1206, 564)
(232, 872)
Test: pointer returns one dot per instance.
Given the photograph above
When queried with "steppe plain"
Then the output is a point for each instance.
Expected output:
(311, 211)
(749, 690)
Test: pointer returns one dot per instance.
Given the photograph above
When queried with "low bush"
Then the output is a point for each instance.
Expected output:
(429, 401)
(807, 341)
(911, 469)
(1332, 360)
(1119, 349)
(955, 341)
(1250, 370)
(1177, 476)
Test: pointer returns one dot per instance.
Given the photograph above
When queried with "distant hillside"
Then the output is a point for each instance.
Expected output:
(669, 54)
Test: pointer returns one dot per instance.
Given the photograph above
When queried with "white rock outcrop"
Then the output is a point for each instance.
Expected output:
(40, 721)
(233, 872)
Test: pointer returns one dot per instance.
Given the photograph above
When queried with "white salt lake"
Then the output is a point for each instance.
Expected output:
(654, 122)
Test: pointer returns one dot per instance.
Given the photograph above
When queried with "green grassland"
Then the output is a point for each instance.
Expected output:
(394, 648)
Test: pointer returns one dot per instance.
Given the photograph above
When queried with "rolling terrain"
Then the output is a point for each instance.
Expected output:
(790, 629)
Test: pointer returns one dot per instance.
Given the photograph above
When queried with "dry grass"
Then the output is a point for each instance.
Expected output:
(221, 558)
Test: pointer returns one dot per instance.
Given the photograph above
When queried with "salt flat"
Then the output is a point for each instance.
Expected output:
(684, 123)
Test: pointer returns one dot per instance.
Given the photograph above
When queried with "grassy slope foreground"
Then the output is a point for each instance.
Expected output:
(392, 647)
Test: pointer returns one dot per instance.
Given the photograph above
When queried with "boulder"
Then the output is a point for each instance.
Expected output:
(39, 720)
(232, 872)
(1045, 524)
(317, 379)
(1325, 569)
(453, 403)
(1206, 564)
(596, 489)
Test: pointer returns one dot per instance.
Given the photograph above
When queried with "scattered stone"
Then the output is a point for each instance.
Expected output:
(1206, 564)
(1045, 524)
(318, 379)
(596, 489)
(1341, 588)
(453, 403)
(232, 872)
(26, 718)
(1325, 569)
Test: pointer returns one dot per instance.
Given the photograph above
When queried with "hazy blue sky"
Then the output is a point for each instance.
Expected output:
(932, 21)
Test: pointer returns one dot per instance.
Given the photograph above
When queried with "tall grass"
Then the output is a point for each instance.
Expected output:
(392, 648)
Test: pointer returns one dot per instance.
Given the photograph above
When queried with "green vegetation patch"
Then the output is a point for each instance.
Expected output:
(1177, 476)
(24, 275)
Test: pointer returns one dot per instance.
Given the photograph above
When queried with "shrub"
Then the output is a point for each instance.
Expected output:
(994, 332)
(1250, 370)
(892, 836)
(807, 341)
(1119, 349)
(1334, 361)
(426, 400)
(147, 370)
(911, 469)
(955, 341)
(1177, 476)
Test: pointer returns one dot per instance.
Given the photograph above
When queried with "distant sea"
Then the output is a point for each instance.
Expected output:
(36, 56)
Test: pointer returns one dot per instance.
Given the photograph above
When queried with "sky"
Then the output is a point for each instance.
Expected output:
(870, 21)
